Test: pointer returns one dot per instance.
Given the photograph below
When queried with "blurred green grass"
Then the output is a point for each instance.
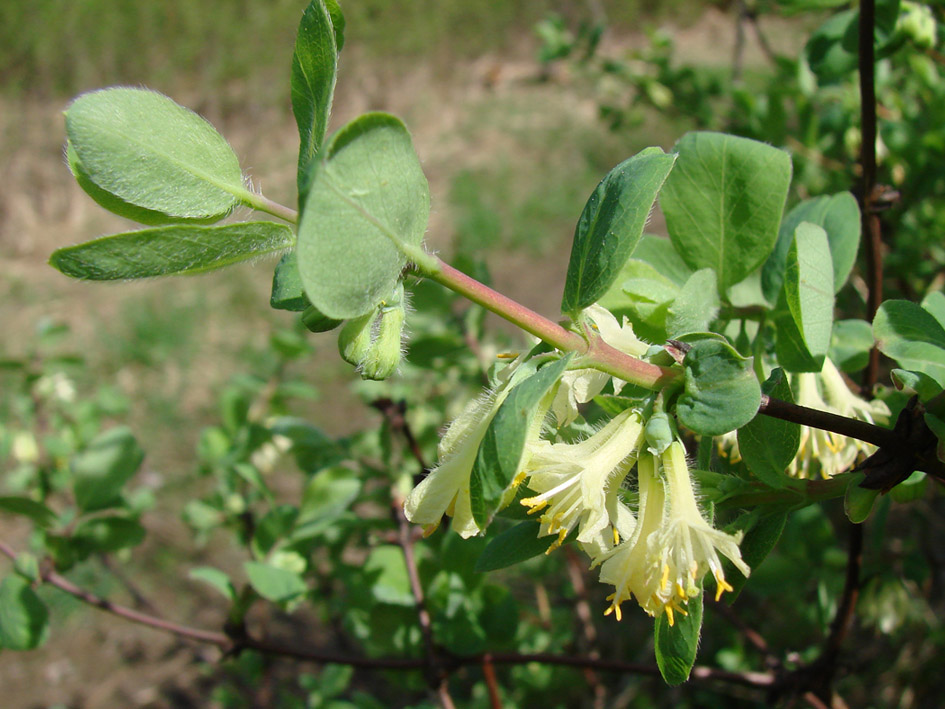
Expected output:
(56, 48)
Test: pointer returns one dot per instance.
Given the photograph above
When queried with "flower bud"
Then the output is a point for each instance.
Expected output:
(372, 342)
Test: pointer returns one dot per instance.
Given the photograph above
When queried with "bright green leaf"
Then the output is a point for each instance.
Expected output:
(912, 336)
(677, 644)
(934, 304)
(387, 571)
(910, 489)
(216, 579)
(148, 151)
(808, 288)
(766, 444)
(721, 392)
(858, 501)
(501, 449)
(850, 344)
(180, 249)
(116, 205)
(102, 469)
(611, 226)
(24, 620)
(272, 583)
(696, 306)
(839, 215)
(723, 203)
(366, 210)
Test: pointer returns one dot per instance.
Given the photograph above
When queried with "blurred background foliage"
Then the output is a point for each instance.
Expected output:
(518, 109)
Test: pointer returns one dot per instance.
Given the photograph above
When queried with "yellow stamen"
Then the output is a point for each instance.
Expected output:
(616, 536)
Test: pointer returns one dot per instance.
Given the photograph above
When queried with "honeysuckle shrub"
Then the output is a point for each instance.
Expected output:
(630, 430)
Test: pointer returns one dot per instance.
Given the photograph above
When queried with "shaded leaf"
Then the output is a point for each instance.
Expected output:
(501, 449)
(41, 515)
(808, 288)
(171, 250)
(272, 583)
(24, 620)
(768, 445)
(514, 545)
(677, 644)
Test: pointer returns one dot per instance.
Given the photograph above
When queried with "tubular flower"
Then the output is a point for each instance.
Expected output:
(631, 567)
(581, 385)
(689, 545)
(578, 483)
(673, 546)
(834, 453)
(446, 489)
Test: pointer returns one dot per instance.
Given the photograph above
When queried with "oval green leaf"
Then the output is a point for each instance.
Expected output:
(720, 391)
(180, 249)
(101, 470)
(364, 217)
(808, 287)
(768, 445)
(678, 644)
(151, 152)
(611, 226)
(514, 545)
(24, 619)
(912, 336)
(723, 203)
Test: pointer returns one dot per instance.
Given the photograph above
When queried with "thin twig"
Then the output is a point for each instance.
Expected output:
(492, 684)
(853, 428)
(872, 243)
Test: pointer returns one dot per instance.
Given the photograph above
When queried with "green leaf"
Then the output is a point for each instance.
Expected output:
(287, 292)
(501, 449)
(850, 344)
(107, 534)
(180, 249)
(808, 289)
(757, 543)
(115, 204)
(659, 252)
(677, 644)
(366, 211)
(314, 71)
(789, 344)
(839, 215)
(910, 489)
(934, 304)
(150, 152)
(828, 55)
(327, 497)
(24, 620)
(41, 515)
(723, 203)
(696, 306)
(768, 445)
(387, 571)
(272, 583)
(916, 383)
(215, 579)
(100, 471)
(513, 546)
(858, 501)
(912, 336)
(720, 392)
(611, 226)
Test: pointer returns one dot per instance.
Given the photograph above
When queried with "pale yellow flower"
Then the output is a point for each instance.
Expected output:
(579, 483)
(579, 386)
(826, 451)
(673, 546)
